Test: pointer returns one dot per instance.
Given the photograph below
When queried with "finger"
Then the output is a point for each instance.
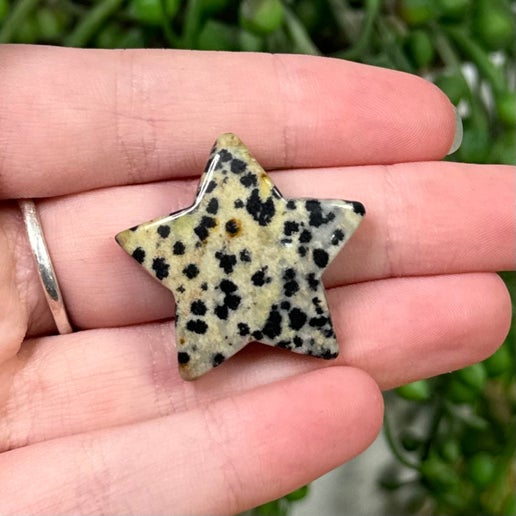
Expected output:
(234, 454)
(14, 313)
(114, 117)
(398, 330)
(426, 218)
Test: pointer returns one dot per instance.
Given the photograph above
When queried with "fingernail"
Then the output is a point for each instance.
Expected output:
(457, 140)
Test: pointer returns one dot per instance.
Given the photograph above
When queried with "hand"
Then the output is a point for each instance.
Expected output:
(99, 421)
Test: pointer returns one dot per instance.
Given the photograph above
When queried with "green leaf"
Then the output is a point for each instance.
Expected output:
(473, 376)
(298, 494)
(261, 16)
(481, 469)
(419, 48)
(500, 362)
(415, 391)
(4, 8)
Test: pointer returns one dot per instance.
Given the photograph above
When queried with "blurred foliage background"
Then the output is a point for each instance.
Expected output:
(454, 437)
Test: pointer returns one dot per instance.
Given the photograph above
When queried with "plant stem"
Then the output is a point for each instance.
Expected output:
(92, 22)
(445, 50)
(300, 37)
(20, 12)
(394, 447)
(392, 46)
(339, 9)
(191, 23)
(167, 29)
(372, 8)
(434, 427)
(477, 55)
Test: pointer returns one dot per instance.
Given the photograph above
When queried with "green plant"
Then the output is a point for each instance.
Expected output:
(463, 454)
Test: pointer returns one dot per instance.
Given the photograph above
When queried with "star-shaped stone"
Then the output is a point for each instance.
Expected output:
(244, 263)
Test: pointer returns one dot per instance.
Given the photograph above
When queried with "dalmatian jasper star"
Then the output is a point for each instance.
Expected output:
(244, 263)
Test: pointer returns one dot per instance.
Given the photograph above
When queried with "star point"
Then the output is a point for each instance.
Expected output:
(244, 263)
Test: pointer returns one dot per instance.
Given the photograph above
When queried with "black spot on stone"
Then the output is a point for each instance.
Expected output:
(225, 155)
(290, 288)
(305, 236)
(321, 257)
(213, 206)
(291, 205)
(258, 335)
(317, 302)
(272, 327)
(202, 229)
(191, 271)
(139, 255)
(262, 212)
(317, 216)
(211, 186)
(183, 357)
(197, 326)
(243, 329)
(259, 278)
(178, 248)
(285, 305)
(221, 311)
(198, 307)
(286, 241)
(302, 251)
(245, 255)
(298, 341)
(328, 355)
(329, 333)
(217, 359)
(238, 203)
(313, 282)
(337, 237)
(238, 166)
(181, 290)
(249, 180)
(204, 286)
(160, 268)
(226, 261)
(163, 231)
(290, 227)
(358, 208)
(227, 286)
(284, 344)
(232, 226)
(232, 301)
(297, 318)
(315, 210)
(289, 274)
(318, 322)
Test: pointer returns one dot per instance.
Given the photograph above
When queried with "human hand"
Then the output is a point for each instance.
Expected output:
(99, 421)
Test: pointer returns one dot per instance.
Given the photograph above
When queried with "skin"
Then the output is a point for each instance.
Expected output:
(99, 421)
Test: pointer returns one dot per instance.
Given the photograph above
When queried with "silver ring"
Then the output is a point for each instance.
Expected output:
(46, 271)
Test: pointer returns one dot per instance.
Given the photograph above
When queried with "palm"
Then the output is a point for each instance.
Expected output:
(99, 420)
